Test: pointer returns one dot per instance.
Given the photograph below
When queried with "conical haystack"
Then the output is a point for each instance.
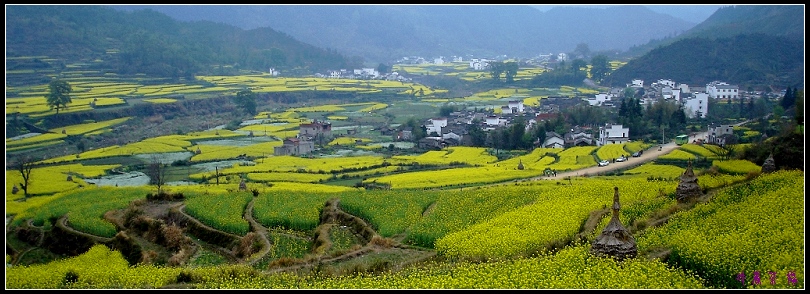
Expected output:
(769, 165)
(688, 187)
(615, 240)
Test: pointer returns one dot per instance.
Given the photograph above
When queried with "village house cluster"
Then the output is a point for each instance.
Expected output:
(452, 130)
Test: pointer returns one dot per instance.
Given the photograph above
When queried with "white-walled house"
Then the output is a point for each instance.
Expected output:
(637, 83)
(479, 64)
(613, 134)
(438, 61)
(553, 140)
(697, 105)
(516, 106)
(494, 121)
(722, 90)
(436, 125)
(666, 82)
(684, 88)
(598, 99)
(367, 71)
(506, 110)
(441, 122)
(669, 93)
(718, 132)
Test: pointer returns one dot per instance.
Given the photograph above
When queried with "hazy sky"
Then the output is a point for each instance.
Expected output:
(688, 12)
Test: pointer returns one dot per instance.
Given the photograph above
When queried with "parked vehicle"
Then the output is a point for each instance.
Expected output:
(638, 153)
(621, 159)
(604, 163)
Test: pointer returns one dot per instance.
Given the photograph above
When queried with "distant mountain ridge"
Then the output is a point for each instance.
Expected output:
(152, 43)
(383, 33)
(755, 60)
(774, 20)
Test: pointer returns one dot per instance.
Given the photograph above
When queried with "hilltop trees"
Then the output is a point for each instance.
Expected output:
(562, 75)
(510, 69)
(59, 94)
(600, 68)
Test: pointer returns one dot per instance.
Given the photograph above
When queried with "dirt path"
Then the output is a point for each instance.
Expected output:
(648, 155)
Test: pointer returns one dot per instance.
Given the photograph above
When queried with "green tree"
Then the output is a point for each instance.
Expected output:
(600, 68)
(446, 110)
(246, 100)
(496, 68)
(477, 135)
(511, 69)
(384, 68)
(59, 94)
(629, 92)
(582, 51)
(578, 65)
(418, 131)
(789, 99)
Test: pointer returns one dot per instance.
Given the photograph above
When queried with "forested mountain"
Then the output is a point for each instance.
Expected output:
(384, 33)
(755, 60)
(729, 21)
(152, 43)
(748, 45)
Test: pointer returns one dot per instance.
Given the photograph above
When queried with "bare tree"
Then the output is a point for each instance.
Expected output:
(727, 151)
(156, 171)
(25, 165)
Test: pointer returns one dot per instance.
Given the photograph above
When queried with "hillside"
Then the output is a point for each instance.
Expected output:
(147, 42)
(775, 20)
(754, 60)
(383, 33)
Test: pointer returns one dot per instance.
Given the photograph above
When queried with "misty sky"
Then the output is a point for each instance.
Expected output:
(691, 13)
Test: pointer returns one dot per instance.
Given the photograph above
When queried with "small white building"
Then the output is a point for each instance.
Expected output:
(479, 64)
(666, 82)
(494, 121)
(613, 134)
(598, 99)
(722, 90)
(669, 93)
(684, 88)
(435, 125)
(506, 110)
(516, 106)
(636, 83)
(553, 140)
(718, 132)
(697, 105)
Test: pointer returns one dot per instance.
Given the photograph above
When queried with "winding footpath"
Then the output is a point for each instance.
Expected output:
(647, 156)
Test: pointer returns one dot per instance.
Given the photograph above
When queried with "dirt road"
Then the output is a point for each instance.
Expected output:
(648, 155)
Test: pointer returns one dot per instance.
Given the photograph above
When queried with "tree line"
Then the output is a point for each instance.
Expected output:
(148, 42)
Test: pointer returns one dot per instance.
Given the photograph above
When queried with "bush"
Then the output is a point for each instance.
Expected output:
(70, 278)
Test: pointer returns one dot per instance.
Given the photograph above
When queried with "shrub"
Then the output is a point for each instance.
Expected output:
(70, 278)
(173, 235)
